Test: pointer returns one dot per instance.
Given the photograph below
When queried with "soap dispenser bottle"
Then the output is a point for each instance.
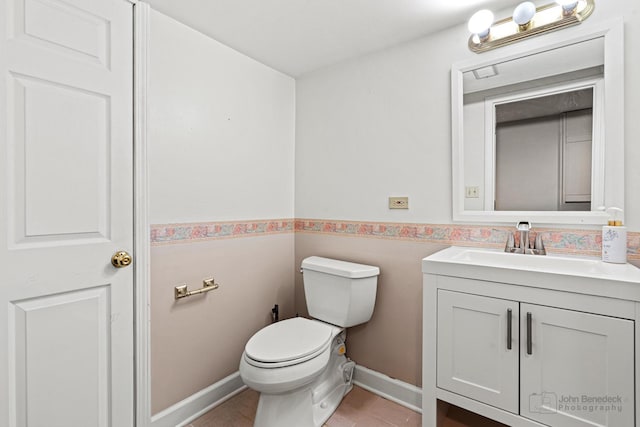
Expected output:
(614, 238)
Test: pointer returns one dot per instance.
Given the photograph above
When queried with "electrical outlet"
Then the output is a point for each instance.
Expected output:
(472, 192)
(398, 203)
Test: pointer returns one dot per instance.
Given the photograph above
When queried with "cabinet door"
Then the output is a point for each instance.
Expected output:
(577, 369)
(474, 358)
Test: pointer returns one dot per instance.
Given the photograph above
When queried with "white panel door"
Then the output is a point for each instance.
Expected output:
(577, 369)
(477, 354)
(576, 160)
(66, 314)
(528, 148)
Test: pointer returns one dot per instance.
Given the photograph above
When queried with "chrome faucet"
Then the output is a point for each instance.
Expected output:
(524, 227)
(524, 247)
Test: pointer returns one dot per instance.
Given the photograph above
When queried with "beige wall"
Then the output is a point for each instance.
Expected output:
(391, 342)
(199, 340)
(221, 147)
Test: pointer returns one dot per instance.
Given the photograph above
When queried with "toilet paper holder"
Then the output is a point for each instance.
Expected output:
(182, 291)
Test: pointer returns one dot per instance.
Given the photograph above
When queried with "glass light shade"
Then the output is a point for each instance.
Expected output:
(480, 22)
(524, 12)
(567, 5)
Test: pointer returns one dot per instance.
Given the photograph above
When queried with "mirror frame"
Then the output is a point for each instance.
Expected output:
(613, 128)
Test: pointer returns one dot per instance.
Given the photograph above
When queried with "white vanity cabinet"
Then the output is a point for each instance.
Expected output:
(529, 341)
(476, 357)
(571, 362)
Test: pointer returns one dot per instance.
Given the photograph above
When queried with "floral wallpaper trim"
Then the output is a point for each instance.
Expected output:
(188, 233)
(560, 241)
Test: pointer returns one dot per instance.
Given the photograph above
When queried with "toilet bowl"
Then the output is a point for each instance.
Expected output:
(293, 389)
(299, 365)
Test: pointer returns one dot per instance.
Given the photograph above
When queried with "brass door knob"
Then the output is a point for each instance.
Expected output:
(121, 259)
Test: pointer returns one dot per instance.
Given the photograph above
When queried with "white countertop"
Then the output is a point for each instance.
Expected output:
(588, 275)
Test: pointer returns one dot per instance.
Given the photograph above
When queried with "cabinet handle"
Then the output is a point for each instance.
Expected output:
(529, 342)
(509, 331)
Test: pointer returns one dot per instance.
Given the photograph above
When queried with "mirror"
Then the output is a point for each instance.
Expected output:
(532, 139)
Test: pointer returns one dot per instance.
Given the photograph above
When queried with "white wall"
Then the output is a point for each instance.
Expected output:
(380, 125)
(223, 147)
(474, 153)
(376, 127)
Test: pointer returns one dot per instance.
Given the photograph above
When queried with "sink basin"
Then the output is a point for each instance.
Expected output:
(453, 260)
(568, 265)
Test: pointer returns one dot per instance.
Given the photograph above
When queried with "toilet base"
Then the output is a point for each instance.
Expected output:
(312, 405)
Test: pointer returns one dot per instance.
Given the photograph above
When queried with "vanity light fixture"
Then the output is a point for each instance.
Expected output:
(523, 14)
(480, 24)
(527, 21)
(568, 6)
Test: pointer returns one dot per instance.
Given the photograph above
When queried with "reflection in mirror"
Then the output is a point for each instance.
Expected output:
(529, 131)
(550, 138)
(534, 152)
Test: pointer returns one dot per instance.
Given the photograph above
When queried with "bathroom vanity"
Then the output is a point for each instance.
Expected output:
(531, 340)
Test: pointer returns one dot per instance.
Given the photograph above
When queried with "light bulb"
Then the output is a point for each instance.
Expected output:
(480, 23)
(568, 6)
(523, 14)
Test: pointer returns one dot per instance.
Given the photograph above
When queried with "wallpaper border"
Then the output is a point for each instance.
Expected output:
(557, 240)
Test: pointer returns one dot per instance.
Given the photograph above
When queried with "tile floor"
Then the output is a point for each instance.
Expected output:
(359, 408)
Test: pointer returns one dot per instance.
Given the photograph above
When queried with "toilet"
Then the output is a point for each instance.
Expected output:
(299, 365)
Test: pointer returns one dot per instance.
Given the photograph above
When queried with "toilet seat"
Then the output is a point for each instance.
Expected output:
(288, 342)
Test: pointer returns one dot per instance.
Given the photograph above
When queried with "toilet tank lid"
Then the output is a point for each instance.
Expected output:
(339, 268)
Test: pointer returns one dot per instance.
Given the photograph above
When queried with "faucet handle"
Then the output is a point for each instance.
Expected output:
(511, 241)
(510, 247)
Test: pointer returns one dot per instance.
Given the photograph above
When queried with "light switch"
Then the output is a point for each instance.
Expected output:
(472, 192)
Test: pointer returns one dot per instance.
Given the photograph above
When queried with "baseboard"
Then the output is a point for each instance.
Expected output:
(187, 410)
(402, 393)
(194, 406)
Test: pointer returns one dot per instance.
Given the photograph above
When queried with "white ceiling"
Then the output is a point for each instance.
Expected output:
(298, 36)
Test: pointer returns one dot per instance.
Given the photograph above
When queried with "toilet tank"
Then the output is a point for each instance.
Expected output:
(339, 292)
